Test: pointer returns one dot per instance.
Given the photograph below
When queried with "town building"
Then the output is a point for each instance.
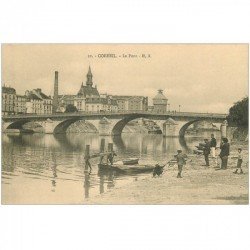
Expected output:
(64, 100)
(8, 100)
(131, 103)
(160, 102)
(37, 102)
(150, 108)
(20, 104)
(88, 99)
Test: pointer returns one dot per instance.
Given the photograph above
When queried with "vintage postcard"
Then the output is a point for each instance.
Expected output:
(125, 124)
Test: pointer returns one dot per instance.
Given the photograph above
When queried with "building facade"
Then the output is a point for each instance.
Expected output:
(8, 100)
(88, 99)
(131, 103)
(20, 104)
(37, 102)
(160, 102)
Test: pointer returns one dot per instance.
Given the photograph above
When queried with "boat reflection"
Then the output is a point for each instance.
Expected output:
(86, 184)
(106, 177)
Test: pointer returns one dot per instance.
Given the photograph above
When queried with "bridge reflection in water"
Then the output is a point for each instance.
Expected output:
(51, 166)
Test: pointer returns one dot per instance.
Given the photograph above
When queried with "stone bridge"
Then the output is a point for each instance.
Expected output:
(171, 124)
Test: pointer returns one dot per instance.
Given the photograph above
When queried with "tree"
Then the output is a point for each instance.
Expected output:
(70, 108)
(238, 113)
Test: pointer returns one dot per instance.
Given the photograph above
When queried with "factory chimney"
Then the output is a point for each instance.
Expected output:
(55, 97)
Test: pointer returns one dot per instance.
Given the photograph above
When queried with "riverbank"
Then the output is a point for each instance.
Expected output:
(199, 185)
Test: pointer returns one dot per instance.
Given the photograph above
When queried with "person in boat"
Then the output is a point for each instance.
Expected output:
(111, 156)
(224, 152)
(181, 161)
(206, 151)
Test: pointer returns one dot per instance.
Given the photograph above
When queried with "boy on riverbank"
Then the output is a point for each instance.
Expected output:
(206, 151)
(239, 162)
(181, 161)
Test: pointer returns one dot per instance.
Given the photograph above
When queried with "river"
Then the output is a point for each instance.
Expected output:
(49, 169)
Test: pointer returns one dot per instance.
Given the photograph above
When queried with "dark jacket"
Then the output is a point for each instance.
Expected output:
(224, 149)
(206, 149)
(213, 143)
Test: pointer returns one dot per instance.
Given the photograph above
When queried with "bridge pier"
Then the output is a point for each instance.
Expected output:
(5, 125)
(49, 126)
(170, 128)
(104, 126)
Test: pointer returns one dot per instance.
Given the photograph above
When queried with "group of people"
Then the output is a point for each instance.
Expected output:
(209, 148)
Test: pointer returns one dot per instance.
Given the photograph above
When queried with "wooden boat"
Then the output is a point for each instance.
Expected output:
(127, 168)
(130, 161)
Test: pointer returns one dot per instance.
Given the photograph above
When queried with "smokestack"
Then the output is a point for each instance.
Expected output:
(55, 97)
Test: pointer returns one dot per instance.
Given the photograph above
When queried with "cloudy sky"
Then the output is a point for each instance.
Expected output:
(202, 78)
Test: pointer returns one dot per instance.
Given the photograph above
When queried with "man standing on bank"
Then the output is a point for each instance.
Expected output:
(224, 152)
(206, 151)
(181, 161)
(213, 145)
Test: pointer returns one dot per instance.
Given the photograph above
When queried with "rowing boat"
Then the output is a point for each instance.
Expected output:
(127, 168)
(130, 161)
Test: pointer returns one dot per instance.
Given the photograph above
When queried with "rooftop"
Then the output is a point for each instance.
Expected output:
(160, 95)
(88, 91)
(8, 90)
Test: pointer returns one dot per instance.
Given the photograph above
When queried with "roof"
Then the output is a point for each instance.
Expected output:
(44, 96)
(126, 97)
(160, 95)
(89, 72)
(34, 97)
(8, 90)
(88, 91)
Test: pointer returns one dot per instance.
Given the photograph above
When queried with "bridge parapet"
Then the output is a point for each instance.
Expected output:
(54, 123)
(116, 114)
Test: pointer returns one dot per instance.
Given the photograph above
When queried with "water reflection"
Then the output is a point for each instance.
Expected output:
(86, 184)
(54, 172)
(37, 159)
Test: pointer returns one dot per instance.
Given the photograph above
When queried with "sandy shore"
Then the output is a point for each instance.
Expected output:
(199, 185)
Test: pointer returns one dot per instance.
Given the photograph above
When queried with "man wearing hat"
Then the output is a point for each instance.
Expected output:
(206, 151)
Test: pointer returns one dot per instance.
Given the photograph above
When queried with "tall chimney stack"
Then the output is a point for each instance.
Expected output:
(55, 97)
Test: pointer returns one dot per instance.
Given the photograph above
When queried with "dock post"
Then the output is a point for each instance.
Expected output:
(102, 148)
(86, 185)
(110, 147)
(87, 157)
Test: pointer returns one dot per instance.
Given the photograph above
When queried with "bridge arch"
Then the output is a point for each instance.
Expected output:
(184, 127)
(49, 126)
(64, 125)
(20, 123)
(119, 126)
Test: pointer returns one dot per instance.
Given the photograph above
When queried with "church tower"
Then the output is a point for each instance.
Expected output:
(88, 90)
(89, 78)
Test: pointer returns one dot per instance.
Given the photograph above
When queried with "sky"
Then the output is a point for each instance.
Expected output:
(199, 77)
